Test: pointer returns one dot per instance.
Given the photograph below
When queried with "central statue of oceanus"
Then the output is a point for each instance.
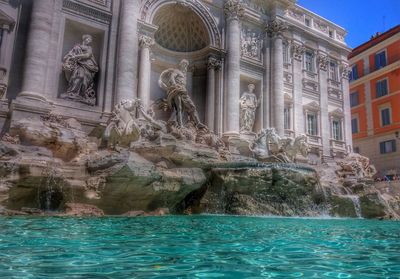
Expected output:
(173, 81)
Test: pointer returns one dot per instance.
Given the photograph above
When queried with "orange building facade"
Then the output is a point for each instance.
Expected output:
(375, 100)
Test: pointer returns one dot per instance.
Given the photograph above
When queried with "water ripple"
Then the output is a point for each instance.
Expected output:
(198, 247)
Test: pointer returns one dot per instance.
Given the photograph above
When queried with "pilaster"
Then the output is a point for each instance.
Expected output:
(297, 54)
(322, 62)
(274, 29)
(234, 10)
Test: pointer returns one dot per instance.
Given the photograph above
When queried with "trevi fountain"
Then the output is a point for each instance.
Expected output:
(224, 117)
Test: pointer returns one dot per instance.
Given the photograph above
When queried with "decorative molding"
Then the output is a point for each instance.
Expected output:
(145, 41)
(233, 9)
(275, 27)
(213, 63)
(83, 10)
(345, 71)
(322, 61)
(250, 44)
(337, 113)
(313, 106)
(298, 51)
(288, 77)
(310, 85)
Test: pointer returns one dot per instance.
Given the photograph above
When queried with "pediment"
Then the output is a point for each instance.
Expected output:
(337, 113)
(313, 106)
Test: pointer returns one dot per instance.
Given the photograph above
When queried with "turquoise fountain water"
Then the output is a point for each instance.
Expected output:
(198, 247)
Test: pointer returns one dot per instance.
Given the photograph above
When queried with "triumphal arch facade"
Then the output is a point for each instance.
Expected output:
(251, 65)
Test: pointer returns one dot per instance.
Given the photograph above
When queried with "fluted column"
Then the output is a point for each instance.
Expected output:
(127, 54)
(37, 48)
(145, 43)
(275, 28)
(346, 107)
(233, 11)
(325, 131)
(212, 65)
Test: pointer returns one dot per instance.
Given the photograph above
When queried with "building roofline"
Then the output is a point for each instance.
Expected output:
(322, 18)
(374, 41)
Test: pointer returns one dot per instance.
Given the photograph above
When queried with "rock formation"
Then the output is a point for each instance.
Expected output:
(141, 166)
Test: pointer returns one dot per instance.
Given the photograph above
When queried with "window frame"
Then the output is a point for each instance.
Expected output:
(377, 55)
(316, 115)
(354, 93)
(357, 125)
(378, 95)
(312, 62)
(381, 109)
(340, 134)
(384, 150)
(333, 75)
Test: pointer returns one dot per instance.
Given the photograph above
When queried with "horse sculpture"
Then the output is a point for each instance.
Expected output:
(268, 145)
(122, 127)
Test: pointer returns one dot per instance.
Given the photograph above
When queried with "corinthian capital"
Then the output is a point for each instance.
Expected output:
(275, 27)
(233, 9)
(145, 41)
(213, 63)
(322, 61)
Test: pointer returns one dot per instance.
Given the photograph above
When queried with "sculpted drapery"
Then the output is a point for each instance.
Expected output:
(80, 68)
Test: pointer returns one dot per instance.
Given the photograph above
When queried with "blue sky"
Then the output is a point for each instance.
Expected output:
(361, 18)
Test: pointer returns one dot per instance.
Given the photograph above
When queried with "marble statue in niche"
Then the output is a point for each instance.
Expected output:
(80, 67)
(250, 44)
(248, 107)
(173, 81)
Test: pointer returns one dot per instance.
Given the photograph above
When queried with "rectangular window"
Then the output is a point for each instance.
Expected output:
(309, 61)
(381, 88)
(285, 53)
(356, 149)
(287, 118)
(354, 99)
(380, 60)
(354, 126)
(337, 129)
(385, 116)
(312, 124)
(333, 71)
(307, 22)
(354, 73)
(388, 146)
